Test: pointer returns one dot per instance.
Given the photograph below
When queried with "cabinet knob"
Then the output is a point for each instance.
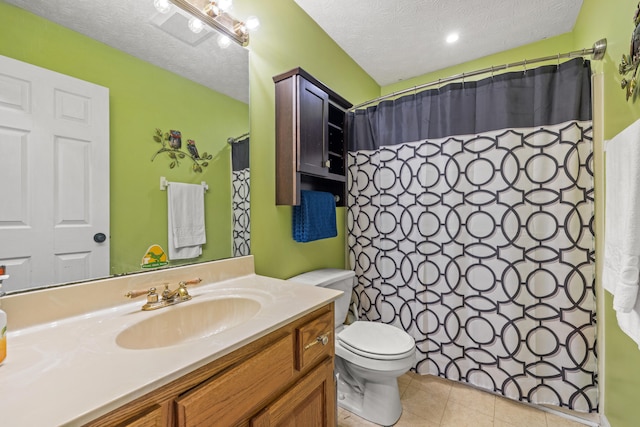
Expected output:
(327, 164)
(322, 339)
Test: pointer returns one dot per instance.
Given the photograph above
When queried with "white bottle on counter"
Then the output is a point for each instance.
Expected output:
(3, 336)
(3, 332)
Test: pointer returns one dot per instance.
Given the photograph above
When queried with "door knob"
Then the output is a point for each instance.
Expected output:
(99, 237)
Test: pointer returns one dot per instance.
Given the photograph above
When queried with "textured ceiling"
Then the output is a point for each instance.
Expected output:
(397, 40)
(391, 40)
(126, 25)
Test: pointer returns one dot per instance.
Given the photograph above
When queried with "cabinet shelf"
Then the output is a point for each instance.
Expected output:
(311, 122)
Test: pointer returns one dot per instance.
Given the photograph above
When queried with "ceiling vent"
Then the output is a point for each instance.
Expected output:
(176, 24)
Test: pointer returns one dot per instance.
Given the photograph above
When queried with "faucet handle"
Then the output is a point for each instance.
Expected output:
(136, 293)
(140, 292)
(166, 292)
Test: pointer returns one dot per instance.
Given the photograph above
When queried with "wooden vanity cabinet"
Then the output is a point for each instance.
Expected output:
(283, 379)
(305, 404)
(311, 144)
(155, 416)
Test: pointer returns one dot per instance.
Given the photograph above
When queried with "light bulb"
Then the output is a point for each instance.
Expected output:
(224, 41)
(252, 23)
(162, 6)
(224, 5)
(195, 25)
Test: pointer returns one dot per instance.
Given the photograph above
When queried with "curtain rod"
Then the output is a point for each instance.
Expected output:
(237, 138)
(597, 51)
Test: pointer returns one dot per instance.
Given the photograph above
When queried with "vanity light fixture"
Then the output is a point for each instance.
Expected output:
(214, 13)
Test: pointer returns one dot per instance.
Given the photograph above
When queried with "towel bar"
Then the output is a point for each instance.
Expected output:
(164, 184)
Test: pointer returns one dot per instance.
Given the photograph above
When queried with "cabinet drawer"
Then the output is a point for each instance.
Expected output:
(229, 397)
(314, 340)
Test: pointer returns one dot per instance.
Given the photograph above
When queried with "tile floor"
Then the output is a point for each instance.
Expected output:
(429, 401)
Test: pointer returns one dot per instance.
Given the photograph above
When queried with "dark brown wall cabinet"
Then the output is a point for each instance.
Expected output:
(311, 144)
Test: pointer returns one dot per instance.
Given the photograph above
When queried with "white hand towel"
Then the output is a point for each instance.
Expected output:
(622, 219)
(185, 206)
(630, 322)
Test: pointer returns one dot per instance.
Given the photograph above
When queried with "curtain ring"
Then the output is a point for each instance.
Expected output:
(438, 85)
(558, 60)
(492, 72)
(463, 80)
(525, 66)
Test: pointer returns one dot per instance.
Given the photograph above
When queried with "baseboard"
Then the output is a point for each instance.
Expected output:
(569, 416)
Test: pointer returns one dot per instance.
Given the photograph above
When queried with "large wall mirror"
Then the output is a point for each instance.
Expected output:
(159, 75)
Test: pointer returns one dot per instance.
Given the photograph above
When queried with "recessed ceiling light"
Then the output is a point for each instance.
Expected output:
(452, 38)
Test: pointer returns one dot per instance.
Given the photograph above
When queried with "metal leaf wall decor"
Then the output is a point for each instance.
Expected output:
(172, 145)
(629, 63)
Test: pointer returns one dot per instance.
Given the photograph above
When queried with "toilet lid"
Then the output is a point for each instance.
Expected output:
(376, 339)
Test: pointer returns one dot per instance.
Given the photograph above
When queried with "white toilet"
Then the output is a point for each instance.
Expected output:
(370, 355)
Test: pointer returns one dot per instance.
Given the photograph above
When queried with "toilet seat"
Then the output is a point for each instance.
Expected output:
(376, 341)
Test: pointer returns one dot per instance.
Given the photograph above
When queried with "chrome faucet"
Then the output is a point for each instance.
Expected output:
(167, 298)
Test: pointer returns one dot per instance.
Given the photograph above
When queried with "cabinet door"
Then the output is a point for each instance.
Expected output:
(313, 110)
(309, 403)
(226, 399)
(153, 418)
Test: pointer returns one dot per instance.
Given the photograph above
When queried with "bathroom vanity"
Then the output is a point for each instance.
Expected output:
(267, 366)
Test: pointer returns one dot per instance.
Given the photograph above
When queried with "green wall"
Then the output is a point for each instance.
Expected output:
(551, 46)
(614, 20)
(288, 38)
(142, 97)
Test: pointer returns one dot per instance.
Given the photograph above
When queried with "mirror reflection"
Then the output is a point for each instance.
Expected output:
(151, 78)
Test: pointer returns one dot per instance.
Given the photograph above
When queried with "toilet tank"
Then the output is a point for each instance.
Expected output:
(333, 278)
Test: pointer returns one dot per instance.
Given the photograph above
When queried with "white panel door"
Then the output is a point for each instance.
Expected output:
(54, 177)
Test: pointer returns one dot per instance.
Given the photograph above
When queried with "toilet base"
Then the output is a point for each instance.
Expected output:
(380, 402)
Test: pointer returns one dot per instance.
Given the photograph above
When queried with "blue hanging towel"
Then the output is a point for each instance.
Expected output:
(315, 217)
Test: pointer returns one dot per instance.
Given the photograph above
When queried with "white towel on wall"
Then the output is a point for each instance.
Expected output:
(621, 270)
(186, 234)
(630, 322)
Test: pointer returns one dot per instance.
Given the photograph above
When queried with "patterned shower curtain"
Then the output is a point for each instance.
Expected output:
(471, 227)
(240, 188)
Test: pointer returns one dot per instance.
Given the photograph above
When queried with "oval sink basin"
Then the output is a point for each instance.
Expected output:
(187, 321)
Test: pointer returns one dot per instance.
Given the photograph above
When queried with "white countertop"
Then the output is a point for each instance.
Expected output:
(71, 371)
